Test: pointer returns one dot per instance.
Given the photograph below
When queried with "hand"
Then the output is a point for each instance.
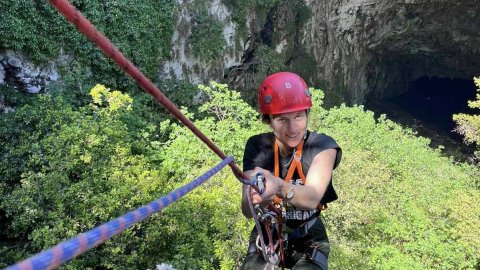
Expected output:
(271, 187)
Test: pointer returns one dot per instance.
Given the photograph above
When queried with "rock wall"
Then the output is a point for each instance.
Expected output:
(374, 49)
(24, 75)
(353, 49)
(184, 64)
(19, 74)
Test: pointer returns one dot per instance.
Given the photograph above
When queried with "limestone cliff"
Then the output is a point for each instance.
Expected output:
(353, 49)
(376, 48)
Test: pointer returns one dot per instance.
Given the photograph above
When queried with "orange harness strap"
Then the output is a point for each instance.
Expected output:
(296, 165)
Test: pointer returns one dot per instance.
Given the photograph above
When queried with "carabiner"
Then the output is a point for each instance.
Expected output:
(259, 181)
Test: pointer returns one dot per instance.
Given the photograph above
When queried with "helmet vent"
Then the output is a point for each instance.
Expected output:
(268, 99)
(307, 92)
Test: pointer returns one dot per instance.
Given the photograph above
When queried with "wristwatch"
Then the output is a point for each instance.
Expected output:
(290, 194)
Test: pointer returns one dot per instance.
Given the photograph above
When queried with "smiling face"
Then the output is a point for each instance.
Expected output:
(290, 128)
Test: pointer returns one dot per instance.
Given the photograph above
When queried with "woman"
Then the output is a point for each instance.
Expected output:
(298, 166)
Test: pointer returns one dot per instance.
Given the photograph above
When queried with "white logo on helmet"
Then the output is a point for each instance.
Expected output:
(288, 85)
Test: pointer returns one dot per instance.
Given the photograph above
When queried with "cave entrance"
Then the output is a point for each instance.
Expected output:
(428, 106)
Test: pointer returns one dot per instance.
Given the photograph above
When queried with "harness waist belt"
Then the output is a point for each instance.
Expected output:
(301, 230)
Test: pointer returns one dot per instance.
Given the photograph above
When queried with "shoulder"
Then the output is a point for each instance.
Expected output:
(262, 139)
(318, 142)
(321, 140)
(259, 152)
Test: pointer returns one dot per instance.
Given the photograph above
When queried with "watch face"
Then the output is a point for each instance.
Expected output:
(290, 194)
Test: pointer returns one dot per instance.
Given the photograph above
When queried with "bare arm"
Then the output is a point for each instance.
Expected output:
(318, 178)
(307, 196)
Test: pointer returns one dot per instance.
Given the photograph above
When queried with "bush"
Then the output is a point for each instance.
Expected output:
(469, 125)
(402, 205)
(65, 170)
(76, 170)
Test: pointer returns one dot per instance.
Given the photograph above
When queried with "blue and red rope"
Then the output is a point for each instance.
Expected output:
(69, 249)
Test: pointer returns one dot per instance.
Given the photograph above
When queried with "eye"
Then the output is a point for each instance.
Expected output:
(299, 117)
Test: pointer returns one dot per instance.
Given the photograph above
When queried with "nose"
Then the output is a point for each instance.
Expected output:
(292, 126)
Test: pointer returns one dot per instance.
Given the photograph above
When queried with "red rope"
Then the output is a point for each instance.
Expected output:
(89, 30)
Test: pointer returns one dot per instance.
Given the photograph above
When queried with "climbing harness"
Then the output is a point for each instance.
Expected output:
(264, 219)
(273, 216)
(295, 165)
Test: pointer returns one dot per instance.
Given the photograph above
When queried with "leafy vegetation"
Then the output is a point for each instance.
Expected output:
(469, 125)
(240, 9)
(207, 39)
(265, 61)
(402, 205)
(140, 29)
(66, 169)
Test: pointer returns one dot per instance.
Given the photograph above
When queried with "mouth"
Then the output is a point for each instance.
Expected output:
(292, 136)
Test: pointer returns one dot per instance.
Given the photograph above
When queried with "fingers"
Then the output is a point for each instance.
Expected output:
(269, 189)
(256, 198)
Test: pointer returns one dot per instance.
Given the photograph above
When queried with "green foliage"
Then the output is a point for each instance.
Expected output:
(207, 39)
(402, 205)
(304, 13)
(72, 170)
(469, 125)
(240, 10)
(179, 92)
(65, 170)
(265, 62)
(141, 29)
(13, 98)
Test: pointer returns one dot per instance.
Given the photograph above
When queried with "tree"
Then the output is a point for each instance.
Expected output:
(469, 125)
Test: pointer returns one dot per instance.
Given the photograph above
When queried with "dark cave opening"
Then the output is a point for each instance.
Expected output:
(434, 100)
(428, 106)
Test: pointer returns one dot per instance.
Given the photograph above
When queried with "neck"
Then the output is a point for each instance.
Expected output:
(285, 151)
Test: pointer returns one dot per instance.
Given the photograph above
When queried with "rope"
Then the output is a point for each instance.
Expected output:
(69, 249)
(89, 30)
(56, 256)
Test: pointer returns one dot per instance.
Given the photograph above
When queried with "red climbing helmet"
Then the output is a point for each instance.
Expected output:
(283, 92)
